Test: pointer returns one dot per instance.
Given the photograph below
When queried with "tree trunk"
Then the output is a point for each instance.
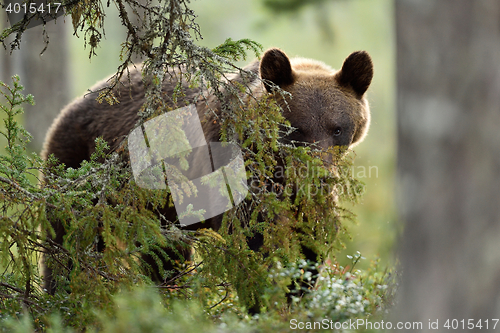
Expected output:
(449, 160)
(45, 76)
(5, 59)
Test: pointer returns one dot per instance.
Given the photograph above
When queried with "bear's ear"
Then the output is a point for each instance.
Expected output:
(275, 68)
(356, 72)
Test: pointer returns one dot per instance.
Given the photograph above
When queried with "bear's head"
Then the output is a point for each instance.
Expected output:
(327, 107)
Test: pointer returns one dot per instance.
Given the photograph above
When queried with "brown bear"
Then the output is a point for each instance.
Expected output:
(326, 107)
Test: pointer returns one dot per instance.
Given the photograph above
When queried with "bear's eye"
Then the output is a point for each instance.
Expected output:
(337, 131)
(299, 131)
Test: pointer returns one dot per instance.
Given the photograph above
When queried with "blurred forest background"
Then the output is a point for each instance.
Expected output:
(324, 30)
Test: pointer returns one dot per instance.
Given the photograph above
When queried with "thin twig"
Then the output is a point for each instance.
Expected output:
(6, 285)
(222, 300)
(19, 188)
(27, 301)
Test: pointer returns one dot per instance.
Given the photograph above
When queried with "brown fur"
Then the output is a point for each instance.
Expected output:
(323, 100)
(327, 107)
